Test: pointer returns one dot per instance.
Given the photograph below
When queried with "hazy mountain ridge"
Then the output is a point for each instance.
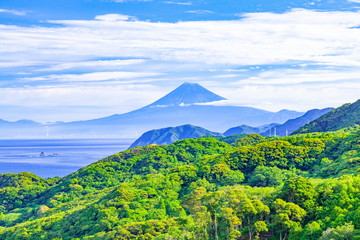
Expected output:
(294, 124)
(344, 116)
(177, 108)
(172, 134)
(279, 129)
(245, 129)
(19, 122)
(22, 129)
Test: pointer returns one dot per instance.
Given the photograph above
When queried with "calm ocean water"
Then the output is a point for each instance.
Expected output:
(55, 157)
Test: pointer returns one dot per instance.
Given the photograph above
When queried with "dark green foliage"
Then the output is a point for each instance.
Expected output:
(231, 139)
(190, 150)
(169, 135)
(192, 190)
(276, 153)
(250, 139)
(243, 129)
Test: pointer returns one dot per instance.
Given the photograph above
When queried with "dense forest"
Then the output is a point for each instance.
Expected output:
(302, 187)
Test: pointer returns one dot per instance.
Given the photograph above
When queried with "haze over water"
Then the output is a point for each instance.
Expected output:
(61, 156)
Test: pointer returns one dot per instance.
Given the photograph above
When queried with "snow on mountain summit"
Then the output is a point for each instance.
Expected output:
(187, 94)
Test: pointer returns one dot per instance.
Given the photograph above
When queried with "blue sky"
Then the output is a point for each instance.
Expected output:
(64, 60)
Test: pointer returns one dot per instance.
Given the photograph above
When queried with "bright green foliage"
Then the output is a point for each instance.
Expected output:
(287, 217)
(171, 134)
(23, 179)
(341, 154)
(345, 232)
(18, 189)
(300, 191)
(250, 139)
(312, 231)
(197, 189)
(222, 175)
(231, 139)
(277, 153)
(267, 177)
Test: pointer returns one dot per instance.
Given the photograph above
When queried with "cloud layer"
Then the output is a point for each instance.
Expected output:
(271, 60)
(259, 38)
(14, 12)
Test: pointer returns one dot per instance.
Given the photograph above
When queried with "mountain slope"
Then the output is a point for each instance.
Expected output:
(133, 124)
(245, 129)
(187, 93)
(293, 124)
(22, 129)
(179, 107)
(169, 135)
(345, 116)
(23, 122)
(173, 192)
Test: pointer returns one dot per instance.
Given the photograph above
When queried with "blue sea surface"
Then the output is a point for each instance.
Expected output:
(55, 157)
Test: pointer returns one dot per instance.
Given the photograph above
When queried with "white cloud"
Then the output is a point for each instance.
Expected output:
(178, 3)
(201, 12)
(90, 77)
(91, 65)
(14, 12)
(355, 1)
(106, 99)
(121, 1)
(259, 38)
(187, 50)
(114, 17)
(292, 89)
(295, 77)
(20, 63)
(301, 97)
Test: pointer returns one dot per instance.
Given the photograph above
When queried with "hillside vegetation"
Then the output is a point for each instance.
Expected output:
(342, 117)
(294, 124)
(165, 136)
(303, 187)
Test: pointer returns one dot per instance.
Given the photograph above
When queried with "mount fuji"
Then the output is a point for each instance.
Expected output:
(184, 105)
(187, 93)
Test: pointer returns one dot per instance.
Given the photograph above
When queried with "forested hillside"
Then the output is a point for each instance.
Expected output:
(297, 187)
(345, 116)
(165, 136)
(292, 125)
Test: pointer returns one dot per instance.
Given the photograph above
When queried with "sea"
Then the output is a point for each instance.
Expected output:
(55, 157)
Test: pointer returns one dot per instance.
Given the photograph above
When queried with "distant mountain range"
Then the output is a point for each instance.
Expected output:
(279, 129)
(169, 135)
(21, 129)
(245, 129)
(293, 124)
(184, 105)
(165, 136)
(345, 116)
